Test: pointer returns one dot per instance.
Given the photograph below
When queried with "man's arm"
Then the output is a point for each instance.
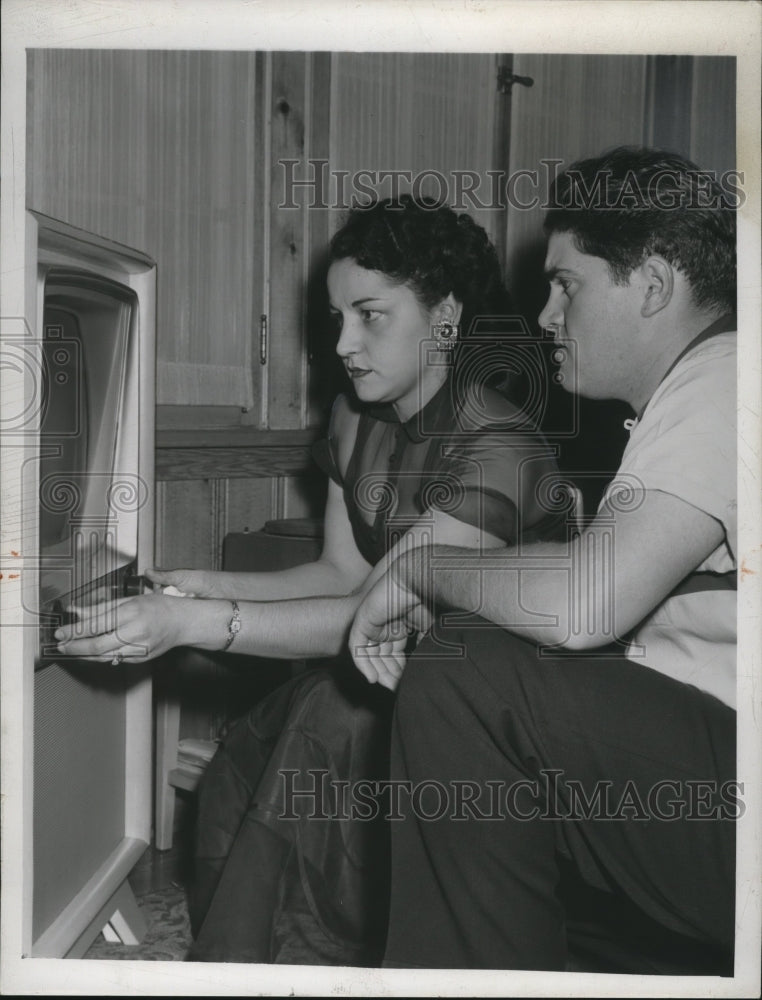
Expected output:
(577, 595)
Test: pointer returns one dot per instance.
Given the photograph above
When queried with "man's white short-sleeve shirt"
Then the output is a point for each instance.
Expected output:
(685, 444)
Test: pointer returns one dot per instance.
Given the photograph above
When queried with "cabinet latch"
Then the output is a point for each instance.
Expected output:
(506, 79)
(263, 339)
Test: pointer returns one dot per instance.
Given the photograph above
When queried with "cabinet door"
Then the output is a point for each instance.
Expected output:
(577, 106)
(162, 150)
(581, 105)
(426, 122)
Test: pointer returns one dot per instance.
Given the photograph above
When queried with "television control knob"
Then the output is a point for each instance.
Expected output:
(134, 586)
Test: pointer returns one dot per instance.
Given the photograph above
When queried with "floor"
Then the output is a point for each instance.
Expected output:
(157, 881)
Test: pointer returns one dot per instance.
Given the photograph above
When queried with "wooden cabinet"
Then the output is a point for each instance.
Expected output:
(204, 160)
(189, 155)
(178, 153)
(163, 150)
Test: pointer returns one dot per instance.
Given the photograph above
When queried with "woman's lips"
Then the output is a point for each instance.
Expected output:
(356, 373)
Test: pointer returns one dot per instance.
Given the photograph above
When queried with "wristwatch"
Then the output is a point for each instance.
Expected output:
(234, 626)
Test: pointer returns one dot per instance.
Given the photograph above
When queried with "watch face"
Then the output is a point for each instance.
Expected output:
(234, 625)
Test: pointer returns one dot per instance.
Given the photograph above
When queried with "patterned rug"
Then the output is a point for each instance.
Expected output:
(168, 937)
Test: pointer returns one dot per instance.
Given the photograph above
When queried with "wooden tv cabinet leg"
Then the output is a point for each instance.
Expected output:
(119, 919)
(167, 736)
(126, 925)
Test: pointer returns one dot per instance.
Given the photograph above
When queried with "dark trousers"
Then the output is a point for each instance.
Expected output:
(515, 764)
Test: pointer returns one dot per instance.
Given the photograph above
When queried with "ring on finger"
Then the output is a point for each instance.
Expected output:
(117, 659)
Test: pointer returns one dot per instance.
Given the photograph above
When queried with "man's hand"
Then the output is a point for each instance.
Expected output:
(389, 615)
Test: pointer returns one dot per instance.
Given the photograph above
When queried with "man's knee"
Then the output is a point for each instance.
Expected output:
(430, 663)
(438, 673)
(447, 655)
(455, 671)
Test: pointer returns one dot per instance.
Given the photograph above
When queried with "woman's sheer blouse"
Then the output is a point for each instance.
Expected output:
(472, 456)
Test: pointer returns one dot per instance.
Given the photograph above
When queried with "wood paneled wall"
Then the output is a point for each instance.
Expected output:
(206, 488)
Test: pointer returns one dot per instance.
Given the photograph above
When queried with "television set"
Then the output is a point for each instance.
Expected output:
(90, 331)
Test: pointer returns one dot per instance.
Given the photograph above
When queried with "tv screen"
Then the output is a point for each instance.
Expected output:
(87, 533)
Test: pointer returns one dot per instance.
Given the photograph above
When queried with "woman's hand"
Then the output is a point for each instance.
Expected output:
(133, 628)
(385, 621)
(192, 582)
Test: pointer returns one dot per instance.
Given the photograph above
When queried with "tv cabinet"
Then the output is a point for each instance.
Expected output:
(87, 726)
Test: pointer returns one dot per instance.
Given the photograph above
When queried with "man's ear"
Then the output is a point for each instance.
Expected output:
(658, 280)
(449, 310)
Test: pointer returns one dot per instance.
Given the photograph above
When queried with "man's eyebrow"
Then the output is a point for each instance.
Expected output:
(553, 272)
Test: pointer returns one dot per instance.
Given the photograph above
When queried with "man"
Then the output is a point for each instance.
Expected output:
(594, 727)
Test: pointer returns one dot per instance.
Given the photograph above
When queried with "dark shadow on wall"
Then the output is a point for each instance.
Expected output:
(326, 372)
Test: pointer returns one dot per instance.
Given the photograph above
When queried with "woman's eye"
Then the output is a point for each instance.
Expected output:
(369, 315)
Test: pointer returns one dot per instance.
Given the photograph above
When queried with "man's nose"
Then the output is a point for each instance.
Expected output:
(552, 315)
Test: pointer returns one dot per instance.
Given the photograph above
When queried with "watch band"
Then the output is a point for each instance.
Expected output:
(234, 626)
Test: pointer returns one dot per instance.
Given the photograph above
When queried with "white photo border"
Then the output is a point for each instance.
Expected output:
(676, 27)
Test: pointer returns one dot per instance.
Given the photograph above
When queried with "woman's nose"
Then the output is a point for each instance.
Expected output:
(348, 338)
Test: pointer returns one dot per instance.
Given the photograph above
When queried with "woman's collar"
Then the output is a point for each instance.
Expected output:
(420, 426)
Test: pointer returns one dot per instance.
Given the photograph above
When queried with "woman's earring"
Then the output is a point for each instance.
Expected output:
(446, 334)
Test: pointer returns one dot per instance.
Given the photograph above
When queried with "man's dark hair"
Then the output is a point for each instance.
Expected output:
(633, 202)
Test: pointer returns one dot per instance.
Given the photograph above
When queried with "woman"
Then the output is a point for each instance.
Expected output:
(416, 454)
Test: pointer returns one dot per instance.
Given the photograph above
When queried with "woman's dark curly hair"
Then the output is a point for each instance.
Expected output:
(429, 247)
